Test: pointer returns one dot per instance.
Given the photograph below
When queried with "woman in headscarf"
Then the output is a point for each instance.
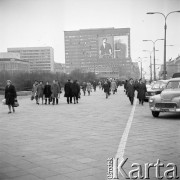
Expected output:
(10, 95)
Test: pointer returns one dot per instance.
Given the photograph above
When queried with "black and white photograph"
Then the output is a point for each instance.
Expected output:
(89, 89)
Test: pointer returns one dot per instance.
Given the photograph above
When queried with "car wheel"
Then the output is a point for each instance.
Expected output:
(155, 113)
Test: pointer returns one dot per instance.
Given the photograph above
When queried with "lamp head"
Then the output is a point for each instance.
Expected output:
(150, 13)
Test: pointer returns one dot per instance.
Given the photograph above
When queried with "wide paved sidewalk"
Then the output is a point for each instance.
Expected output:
(62, 142)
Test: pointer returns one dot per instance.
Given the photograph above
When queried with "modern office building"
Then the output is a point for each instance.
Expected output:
(105, 51)
(12, 63)
(39, 58)
(59, 68)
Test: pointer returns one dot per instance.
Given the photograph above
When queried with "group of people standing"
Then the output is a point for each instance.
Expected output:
(50, 93)
(131, 86)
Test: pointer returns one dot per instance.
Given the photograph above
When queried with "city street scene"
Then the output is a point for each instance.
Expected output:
(89, 89)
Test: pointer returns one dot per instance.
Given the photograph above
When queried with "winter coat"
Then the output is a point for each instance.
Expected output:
(55, 89)
(106, 87)
(47, 91)
(88, 86)
(75, 89)
(40, 90)
(34, 89)
(113, 86)
(68, 89)
(141, 88)
(10, 94)
(130, 90)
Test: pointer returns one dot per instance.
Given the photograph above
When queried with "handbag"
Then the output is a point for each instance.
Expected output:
(16, 104)
(32, 97)
(4, 101)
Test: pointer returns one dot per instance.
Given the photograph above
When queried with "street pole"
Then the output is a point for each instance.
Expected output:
(164, 74)
(150, 68)
(154, 62)
(165, 29)
(154, 49)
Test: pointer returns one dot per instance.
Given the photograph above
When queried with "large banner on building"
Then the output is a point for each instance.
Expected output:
(114, 47)
(106, 47)
(121, 46)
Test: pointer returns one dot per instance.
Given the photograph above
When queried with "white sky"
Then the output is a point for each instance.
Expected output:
(31, 23)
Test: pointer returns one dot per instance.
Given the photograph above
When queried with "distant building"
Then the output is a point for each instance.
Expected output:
(39, 58)
(105, 51)
(59, 68)
(172, 66)
(11, 62)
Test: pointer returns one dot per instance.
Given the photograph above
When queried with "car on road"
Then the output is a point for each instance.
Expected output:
(168, 100)
(156, 88)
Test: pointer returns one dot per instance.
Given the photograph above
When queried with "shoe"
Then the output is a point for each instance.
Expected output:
(9, 112)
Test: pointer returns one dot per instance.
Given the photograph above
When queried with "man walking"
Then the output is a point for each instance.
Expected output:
(68, 91)
(131, 90)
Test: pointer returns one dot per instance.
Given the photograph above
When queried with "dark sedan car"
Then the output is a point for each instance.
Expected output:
(156, 88)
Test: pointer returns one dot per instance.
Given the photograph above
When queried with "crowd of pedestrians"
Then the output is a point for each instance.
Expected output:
(50, 93)
(135, 85)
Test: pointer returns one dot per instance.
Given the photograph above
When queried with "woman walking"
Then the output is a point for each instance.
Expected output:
(106, 88)
(10, 95)
(40, 91)
(88, 87)
(47, 92)
(141, 88)
(55, 92)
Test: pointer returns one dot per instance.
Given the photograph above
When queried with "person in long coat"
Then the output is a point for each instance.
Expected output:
(34, 92)
(75, 91)
(141, 88)
(131, 90)
(10, 95)
(55, 89)
(113, 86)
(68, 91)
(47, 92)
(40, 91)
(106, 88)
(88, 87)
(84, 87)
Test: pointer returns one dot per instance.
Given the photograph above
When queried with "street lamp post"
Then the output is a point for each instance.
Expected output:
(150, 66)
(165, 28)
(154, 49)
(141, 65)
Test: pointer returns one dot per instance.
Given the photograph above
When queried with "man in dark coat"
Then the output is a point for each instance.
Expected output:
(130, 90)
(106, 88)
(141, 88)
(68, 91)
(10, 95)
(75, 91)
(47, 92)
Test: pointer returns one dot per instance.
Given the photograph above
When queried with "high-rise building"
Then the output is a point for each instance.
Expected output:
(39, 58)
(59, 68)
(105, 52)
(12, 63)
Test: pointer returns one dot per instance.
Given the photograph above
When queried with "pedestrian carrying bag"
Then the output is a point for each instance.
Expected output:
(16, 104)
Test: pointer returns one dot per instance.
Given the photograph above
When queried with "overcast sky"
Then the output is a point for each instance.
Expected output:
(31, 23)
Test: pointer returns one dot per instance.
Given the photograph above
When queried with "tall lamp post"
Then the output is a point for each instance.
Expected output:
(154, 49)
(165, 28)
(150, 66)
(141, 64)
